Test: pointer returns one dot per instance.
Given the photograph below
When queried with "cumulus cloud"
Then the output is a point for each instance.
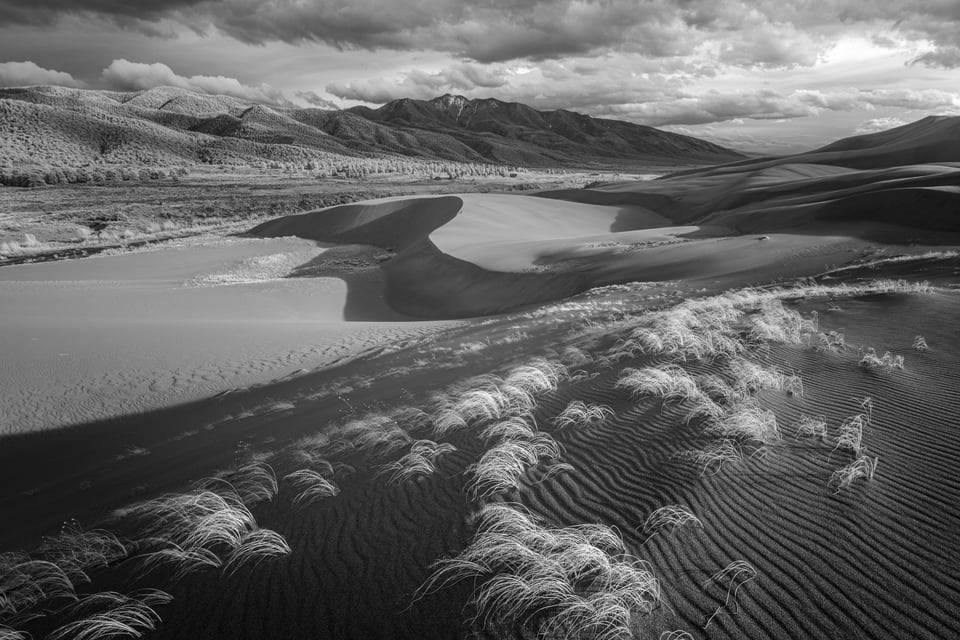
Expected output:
(18, 74)
(124, 75)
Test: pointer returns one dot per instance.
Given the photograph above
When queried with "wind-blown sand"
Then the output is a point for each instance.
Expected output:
(817, 559)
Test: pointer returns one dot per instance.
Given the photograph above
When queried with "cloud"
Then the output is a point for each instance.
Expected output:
(765, 33)
(18, 74)
(422, 85)
(944, 57)
(878, 124)
(316, 100)
(124, 75)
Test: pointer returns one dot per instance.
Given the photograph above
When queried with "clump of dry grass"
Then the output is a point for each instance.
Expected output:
(310, 486)
(27, 583)
(194, 530)
(254, 548)
(851, 433)
(419, 461)
(77, 551)
(501, 467)
(746, 422)
(920, 343)
(579, 414)
(113, 615)
(888, 362)
(671, 516)
(811, 427)
(863, 466)
(573, 582)
(733, 577)
(253, 483)
(712, 457)
(669, 382)
(834, 341)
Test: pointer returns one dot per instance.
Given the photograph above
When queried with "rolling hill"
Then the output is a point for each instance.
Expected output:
(48, 126)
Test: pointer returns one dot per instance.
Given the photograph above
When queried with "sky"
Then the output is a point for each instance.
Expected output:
(766, 76)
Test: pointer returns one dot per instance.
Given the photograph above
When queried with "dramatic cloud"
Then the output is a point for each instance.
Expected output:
(780, 34)
(124, 75)
(17, 74)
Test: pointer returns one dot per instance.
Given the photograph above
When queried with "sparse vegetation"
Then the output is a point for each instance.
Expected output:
(669, 517)
(574, 582)
(863, 466)
(579, 414)
(732, 578)
(811, 427)
(888, 362)
(920, 343)
(113, 615)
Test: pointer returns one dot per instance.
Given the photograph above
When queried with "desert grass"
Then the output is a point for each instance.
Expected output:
(669, 382)
(255, 547)
(252, 483)
(851, 434)
(811, 427)
(419, 461)
(9, 633)
(920, 343)
(77, 551)
(669, 517)
(113, 615)
(310, 486)
(573, 582)
(863, 466)
(500, 468)
(887, 362)
(733, 577)
(678, 634)
(27, 583)
(832, 341)
(578, 415)
(375, 437)
(194, 531)
(746, 422)
(751, 378)
(775, 323)
(712, 457)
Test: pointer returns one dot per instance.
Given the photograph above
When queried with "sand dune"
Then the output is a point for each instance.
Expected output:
(481, 254)
(112, 335)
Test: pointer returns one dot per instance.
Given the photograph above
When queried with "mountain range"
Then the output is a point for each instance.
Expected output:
(64, 127)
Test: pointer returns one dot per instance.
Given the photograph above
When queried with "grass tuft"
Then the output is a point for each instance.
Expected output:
(888, 362)
(256, 547)
(116, 616)
(579, 414)
(733, 576)
(811, 427)
(863, 467)
(671, 516)
(920, 343)
(310, 486)
(574, 582)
